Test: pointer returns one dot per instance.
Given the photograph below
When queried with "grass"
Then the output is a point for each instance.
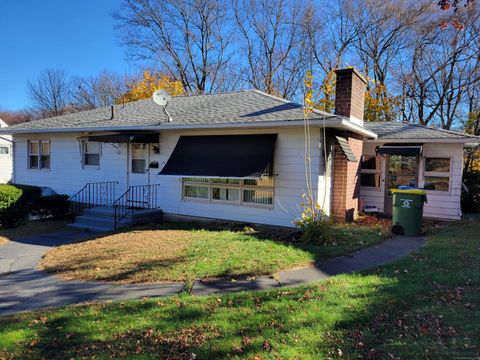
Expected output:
(184, 252)
(31, 228)
(423, 307)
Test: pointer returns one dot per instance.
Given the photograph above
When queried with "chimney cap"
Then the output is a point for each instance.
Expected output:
(351, 70)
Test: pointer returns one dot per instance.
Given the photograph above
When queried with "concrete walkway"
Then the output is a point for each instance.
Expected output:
(24, 288)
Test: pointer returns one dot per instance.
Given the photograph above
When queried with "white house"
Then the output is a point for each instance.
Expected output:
(239, 156)
(6, 151)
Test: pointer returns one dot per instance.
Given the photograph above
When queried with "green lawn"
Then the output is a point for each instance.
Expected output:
(184, 252)
(423, 307)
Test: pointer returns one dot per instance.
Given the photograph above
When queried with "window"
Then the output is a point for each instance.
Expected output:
(4, 150)
(370, 171)
(256, 192)
(139, 158)
(91, 153)
(437, 174)
(39, 154)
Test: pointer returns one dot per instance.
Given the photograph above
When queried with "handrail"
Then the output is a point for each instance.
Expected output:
(136, 198)
(92, 195)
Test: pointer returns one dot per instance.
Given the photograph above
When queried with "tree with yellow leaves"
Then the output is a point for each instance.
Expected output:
(144, 88)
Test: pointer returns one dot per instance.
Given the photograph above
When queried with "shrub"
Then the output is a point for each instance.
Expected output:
(9, 194)
(471, 199)
(52, 205)
(19, 205)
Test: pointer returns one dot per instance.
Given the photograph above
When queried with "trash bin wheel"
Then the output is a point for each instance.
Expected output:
(398, 229)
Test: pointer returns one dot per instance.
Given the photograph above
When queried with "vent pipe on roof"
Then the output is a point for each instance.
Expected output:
(113, 113)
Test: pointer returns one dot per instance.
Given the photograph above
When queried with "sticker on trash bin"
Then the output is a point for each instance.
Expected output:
(406, 203)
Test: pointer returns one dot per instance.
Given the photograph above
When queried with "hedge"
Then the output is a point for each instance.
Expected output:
(471, 199)
(18, 201)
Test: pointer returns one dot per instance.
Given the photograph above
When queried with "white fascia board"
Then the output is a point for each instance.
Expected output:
(328, 122)
(419, 140)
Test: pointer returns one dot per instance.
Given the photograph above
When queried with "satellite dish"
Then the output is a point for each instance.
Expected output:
(161, 97)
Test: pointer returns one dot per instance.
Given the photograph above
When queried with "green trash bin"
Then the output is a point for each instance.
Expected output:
(408, 211)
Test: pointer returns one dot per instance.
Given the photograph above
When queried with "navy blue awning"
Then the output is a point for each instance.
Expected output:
(223, 156)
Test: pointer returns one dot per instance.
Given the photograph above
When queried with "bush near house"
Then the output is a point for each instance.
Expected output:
(471, 199)
(18, 201)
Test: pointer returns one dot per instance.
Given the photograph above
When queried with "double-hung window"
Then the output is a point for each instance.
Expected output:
(39, 154)
(254, 192)
(437, 174)
(91, 154)
(370, 171)
(139, 158)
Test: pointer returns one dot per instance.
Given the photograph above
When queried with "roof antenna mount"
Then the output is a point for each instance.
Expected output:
(162, 97)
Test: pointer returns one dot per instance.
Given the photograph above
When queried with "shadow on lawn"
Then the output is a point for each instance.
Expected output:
(421, 307)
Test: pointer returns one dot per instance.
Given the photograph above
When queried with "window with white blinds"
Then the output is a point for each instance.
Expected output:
(252, 192)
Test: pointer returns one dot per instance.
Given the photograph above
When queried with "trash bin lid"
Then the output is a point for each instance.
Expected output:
(409, 191)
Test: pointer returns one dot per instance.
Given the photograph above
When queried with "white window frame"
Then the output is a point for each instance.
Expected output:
(84, 153)
(9, 149)
(438, 174)
(241, 187)
(145, 159)
(376, 171)
(39, 154)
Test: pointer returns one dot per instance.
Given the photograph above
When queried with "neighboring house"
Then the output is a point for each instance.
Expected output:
(240, 156)
(6, 151)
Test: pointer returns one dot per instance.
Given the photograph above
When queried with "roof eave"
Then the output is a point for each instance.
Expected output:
(335, 122)
(420, 140)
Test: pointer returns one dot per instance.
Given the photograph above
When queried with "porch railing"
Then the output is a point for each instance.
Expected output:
(92, 195)
(136, 198)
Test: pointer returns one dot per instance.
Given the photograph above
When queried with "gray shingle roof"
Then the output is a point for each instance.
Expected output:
(403, 131)
(250, 106)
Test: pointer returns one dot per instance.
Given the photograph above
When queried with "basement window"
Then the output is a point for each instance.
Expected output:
(370, 171)
(39, 154)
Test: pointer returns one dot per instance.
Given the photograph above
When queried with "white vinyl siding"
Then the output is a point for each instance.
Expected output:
(440, 204)
(67, 176)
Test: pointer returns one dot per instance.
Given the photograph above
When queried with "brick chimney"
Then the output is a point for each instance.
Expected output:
(350, 94)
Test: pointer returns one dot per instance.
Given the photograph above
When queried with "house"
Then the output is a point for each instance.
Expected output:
(238, 156)
(6, 160)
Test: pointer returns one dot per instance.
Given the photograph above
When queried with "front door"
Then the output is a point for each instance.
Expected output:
(401, 170)
(138, 159)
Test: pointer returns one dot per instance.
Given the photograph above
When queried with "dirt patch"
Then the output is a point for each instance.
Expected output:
(123, 257)
(31, 228)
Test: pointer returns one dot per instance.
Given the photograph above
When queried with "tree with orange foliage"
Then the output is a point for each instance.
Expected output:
(144, 88)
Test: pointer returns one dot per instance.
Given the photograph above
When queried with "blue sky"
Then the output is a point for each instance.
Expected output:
(76, 36)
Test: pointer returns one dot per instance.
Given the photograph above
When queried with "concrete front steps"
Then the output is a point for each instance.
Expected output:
(102, 219)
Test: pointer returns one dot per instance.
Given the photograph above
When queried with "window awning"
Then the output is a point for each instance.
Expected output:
(138, 138)
(410, 150)
(223, 156)
(347, 150)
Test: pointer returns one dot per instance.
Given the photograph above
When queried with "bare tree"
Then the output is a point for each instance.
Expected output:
(98, 91)
(50, 92)
(444, 67)
(188, 39)
(271, 38)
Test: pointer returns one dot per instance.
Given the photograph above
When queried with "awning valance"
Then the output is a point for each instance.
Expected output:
(410, 150)
(223, 156)
(138, 138)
